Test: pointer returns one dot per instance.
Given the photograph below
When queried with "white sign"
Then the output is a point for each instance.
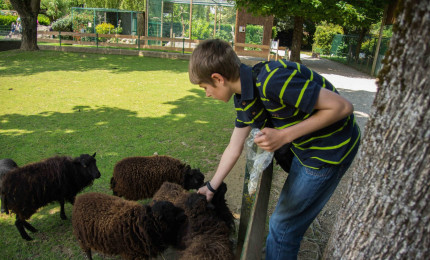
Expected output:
(274, 45)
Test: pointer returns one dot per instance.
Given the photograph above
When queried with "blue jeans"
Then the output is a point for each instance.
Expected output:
(303, 196)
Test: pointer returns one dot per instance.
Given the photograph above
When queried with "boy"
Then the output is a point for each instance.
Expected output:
(299, 113)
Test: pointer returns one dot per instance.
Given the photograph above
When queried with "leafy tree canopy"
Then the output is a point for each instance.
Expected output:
(360, 13)
(134, 5)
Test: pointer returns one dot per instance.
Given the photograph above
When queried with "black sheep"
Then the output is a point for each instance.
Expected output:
(136, 178)
(206, 234)
(116, 226)
(177, 195)
(6, 165)
(27, 188)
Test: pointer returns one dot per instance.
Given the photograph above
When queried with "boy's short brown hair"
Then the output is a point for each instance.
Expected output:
(213, 56)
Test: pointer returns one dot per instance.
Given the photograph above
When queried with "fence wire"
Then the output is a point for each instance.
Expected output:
(345, 49)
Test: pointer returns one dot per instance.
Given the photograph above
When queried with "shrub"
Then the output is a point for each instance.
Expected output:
(104, 28)
(201, 30)
(254, 34)
(323, 37)
(5, 5)
(80, 21)
(342, 49)
(7, 20)
(63, 25)
(43, 19)
(224, 35)
(368, 47)
(107, 28)
(274, 32)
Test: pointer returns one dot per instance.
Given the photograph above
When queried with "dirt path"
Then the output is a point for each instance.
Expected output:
(360, 89)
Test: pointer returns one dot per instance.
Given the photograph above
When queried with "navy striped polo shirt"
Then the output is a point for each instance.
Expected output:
(280, 94)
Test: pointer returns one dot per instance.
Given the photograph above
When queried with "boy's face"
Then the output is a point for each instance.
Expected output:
(217, 91)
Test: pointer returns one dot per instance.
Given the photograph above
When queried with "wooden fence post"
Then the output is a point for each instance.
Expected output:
(251, 235)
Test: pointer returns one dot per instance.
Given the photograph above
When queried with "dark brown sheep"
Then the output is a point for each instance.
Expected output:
(6, 165)
(32, 186)
(177, 195)
(206, 234)
(137, 178)
(116, 226)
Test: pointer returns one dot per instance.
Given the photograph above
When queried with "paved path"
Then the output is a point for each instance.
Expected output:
(356, 86)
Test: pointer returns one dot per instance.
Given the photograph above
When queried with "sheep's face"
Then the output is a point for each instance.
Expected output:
(196, 205)
(219, 196)
(171, 217)
(6, 165)
(193, 179)
(89, 162)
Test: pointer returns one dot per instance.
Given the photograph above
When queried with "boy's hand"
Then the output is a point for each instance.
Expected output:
(205, 191)
(270, 139)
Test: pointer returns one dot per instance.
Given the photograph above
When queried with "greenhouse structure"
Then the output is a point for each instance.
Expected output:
(123, 21)
(208, 19)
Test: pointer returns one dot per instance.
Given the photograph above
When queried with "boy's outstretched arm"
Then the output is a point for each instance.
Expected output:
(228, 160)
(331, 108)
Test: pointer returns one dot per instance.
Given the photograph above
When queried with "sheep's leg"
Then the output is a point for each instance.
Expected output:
(72, 200)
(62, 212)
(4, 208)
(88, 253)
(20, 224)
(28, 226)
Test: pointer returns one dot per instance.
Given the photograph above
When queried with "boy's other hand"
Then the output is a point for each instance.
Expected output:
(270, 139)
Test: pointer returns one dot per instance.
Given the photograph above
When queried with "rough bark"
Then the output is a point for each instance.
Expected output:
(386, 213)
(296, 44)
(28, 11)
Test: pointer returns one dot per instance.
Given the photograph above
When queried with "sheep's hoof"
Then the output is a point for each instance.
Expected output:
(32, 229)
(28, 238)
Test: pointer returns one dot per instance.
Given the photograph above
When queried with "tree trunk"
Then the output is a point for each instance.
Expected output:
(386, 213)
(360, 39)
(296, 45)
(28, 11)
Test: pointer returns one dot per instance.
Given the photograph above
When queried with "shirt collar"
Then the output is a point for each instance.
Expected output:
(246, 82)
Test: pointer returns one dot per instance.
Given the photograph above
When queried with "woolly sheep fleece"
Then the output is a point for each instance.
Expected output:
(137, 178)
(32, 186)
(206, 236)
(116, 226)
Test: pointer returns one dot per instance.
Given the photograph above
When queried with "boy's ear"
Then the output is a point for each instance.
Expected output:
(216, 77)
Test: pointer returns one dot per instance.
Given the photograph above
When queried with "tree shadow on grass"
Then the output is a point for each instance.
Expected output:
(114, 132)
(18, 62)
(195, 131)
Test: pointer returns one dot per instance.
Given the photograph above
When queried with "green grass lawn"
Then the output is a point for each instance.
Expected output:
(54, 103)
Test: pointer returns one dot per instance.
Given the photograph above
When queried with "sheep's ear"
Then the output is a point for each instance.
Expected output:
(94, 155)
(83, 163)
(187, 169)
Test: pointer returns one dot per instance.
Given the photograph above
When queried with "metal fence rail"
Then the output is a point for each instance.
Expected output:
(139, 42)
